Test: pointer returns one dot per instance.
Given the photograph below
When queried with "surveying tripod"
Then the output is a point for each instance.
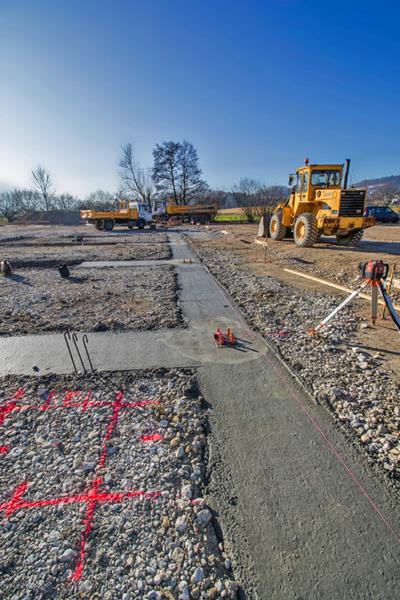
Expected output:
(374, 273)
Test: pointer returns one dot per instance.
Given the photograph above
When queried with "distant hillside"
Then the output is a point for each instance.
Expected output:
(374, 184)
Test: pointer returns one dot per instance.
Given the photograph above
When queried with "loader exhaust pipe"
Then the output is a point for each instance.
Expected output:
(346, 173)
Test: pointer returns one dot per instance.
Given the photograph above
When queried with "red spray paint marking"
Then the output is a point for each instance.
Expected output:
(110, 428)
(47, 403)
(16, 502)
(94, 496)
(13, 505)
(151, 437)
(12, 405)
(4, 449)
(86, 401)
(70, 395)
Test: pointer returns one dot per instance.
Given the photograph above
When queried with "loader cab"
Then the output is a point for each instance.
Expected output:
(309, 181)
(299, 183)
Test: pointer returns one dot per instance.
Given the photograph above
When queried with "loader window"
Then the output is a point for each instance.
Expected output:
(302, 183)
(305, 183)
(325, 179)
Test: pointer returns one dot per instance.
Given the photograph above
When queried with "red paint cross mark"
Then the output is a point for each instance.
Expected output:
(93, 496)
(13, 406)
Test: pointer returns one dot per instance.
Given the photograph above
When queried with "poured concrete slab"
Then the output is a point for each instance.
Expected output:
(99, 264)
(192, 347)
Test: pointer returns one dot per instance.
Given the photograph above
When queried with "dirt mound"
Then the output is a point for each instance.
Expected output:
(50, 217)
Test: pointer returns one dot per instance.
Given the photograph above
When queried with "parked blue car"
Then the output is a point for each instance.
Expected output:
(382, 214)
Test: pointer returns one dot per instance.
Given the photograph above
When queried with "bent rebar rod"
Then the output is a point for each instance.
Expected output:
(75, 340)
(67, 337)
(85, 342)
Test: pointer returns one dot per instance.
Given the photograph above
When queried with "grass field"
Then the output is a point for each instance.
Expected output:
(231, 218)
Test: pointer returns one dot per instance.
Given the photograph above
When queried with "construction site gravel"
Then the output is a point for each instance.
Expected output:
(179, 469)
(39, 250)
(39, 300)
(121, 460)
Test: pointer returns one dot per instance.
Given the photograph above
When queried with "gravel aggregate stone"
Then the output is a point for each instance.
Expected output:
(50, 250)
(144, 546)
(39, 300)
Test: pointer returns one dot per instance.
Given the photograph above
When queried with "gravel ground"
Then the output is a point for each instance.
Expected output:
(345, 272)
(353, 384)
(52, 232)
(39, 300)
(39, 251)
(158, 544)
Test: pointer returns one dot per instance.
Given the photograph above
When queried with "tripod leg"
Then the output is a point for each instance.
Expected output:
(338, 308)
(374, 303)
(388, 302)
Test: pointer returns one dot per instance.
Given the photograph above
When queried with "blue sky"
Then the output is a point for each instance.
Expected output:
(255, 86)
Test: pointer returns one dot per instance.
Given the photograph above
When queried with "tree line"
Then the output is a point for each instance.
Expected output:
(175, 175)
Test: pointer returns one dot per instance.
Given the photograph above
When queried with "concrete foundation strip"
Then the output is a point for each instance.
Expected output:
(317, 427)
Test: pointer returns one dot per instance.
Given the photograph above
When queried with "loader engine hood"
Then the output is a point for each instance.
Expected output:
(351, 203)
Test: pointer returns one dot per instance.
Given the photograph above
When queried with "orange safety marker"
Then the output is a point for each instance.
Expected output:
(222, 339)
(218, 337)
(230, 336)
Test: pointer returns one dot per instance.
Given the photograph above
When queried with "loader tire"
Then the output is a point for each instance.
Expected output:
(305, 230)
(277, 230)
(141, 223)
(351, 239)
(100, 225)
(267, 222)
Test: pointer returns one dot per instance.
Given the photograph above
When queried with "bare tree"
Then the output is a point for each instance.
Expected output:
(44, 186)
(15, 202)
(66, 202)
(267, 197)
(255, 198)
(134, 179)
(176, 172)
(213, 197)
(245, 193)
(99, 200)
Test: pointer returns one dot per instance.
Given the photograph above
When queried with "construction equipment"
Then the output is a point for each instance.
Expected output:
(374, 273)
(320, 203)
(130, 213)
(186, 213)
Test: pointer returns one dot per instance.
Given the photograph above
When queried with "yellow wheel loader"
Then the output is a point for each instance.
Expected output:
(320, 203)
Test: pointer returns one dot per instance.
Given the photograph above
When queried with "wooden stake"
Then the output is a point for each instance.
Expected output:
(334, 285)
